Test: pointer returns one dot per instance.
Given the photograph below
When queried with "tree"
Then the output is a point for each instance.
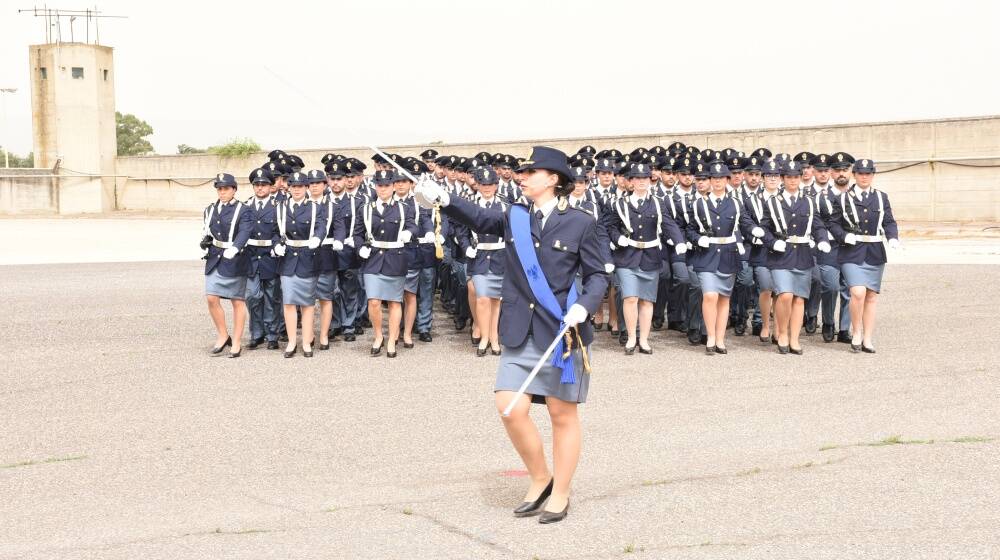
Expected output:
(132, 132)
(185, 149)
(16, 161)
(237, 147)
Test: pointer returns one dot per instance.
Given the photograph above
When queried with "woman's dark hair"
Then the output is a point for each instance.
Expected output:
(564, 187)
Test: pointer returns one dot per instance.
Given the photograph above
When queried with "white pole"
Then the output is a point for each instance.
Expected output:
(3, 122)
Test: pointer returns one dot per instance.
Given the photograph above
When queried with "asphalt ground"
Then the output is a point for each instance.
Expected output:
(121, 438)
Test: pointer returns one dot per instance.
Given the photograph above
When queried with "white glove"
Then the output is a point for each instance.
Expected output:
(405, 236)
(314, 242)
(337, 245)
(850, 239)
(609, 268)
(622, 241)
(427, 193)
(349, 242)
(703, 242)
(471, 253)
(428, 237)
(757, 231)
(689, 245)
(365, 252)
(576, 315)
(779, 246)
(894, 244)
(740, 249)
(279, 250)
(681, 249)
(230, 253)
(823, 246)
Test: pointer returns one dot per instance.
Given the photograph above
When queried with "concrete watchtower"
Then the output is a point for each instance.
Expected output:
(73, 122)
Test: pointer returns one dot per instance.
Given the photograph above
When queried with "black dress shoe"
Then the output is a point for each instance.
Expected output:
(796, 351)
(844, 336)
(424, 337)
(756, 329)
(307, 353)
(255, 343)
(740, 329)
(283, 337)
(657, 324)
(783, 349)
(867, 349)
(358, 330)
(622, 338)
(704, 339)
(527, 509)
(675, 326)
(290, 353)
(459, 324)
(710, 350)
(375, 351)
(554, 517)
(324, 346)
(645, 350)
(719, 350)
(694, 337)
(629, 350)
(219, 349)
(480, 352)
(366, 323)
(811, 325)
(273, 345)
(237, 353)
(855, 348)
(391, 354)
(350, 337)
(337, 331)
(828, 333)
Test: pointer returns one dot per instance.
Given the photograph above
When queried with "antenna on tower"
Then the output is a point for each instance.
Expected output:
(53, 21)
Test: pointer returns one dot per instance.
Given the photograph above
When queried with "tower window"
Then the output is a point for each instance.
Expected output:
(43, 73)
(105, 75)
(77, 73)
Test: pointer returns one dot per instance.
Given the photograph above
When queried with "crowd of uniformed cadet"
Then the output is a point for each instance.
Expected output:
(698, 241)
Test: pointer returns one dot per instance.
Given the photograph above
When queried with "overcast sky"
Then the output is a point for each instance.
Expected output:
(297, 74)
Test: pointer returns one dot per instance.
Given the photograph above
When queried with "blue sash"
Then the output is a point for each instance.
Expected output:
(520, 228)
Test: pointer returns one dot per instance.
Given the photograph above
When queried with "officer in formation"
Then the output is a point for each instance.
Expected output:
(701, 241)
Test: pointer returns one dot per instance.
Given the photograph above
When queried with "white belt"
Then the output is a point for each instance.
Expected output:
(869, 238)
(259, 242)
(491, 246)
(643, 244)
(297, 242)
(722, 240)
(423, 241)
(222, 244)
(387, 244)
(328, 241)
(798, 239)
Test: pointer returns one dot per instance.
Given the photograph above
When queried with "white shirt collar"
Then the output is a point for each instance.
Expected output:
(548, 207)
(715, 199)
(788, 196)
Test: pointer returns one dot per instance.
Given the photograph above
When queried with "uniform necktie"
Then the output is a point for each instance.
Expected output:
(793, 200)
(864, 196)
(540, 216)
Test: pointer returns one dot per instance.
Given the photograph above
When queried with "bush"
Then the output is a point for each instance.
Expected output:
(237, 147)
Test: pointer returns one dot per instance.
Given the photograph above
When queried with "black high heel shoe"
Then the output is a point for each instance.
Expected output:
(375, 351)
(721, 350)
(307, 353)
(796, 351)
(236, 354)
(475, 339)
(290, 353)
(219, 349)
(629, 350)
(480, 351)
(765, 339)
(554, 517)
(867, 349)
(389, 353)
(856, 348)
(407, 344)
(527, 509)
(710, 350)
(783, 349)
(495, 352)
(644, 350)
(324, 346)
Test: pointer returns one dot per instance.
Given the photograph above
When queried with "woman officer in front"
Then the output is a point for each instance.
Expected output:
(301, 222)
(388, 228)
(547, 244)
(227, 229)
(791, 223)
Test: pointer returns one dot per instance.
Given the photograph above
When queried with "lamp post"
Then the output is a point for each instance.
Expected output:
(3, 101)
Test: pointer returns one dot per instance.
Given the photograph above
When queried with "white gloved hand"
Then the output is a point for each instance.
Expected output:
(823, 246)
(609, 268)
(314, 242)
(575, 315)
(681, 249)
(337, 245)
(850, 239)
(230, 253)
(279, 250)
(365, 252)
(741, 249)
(757, 231)
(427, 193)
(428, 237)
(622, 241)
(894, 244)
(779, 246)
(703, 242)
(405, 236)
(349, 242)
(471, 253)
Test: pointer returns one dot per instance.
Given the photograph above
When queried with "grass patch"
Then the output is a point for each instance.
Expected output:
(753, 471)
(971, 439)
(629, 548)
(804, 465)
(44, 461)
(898, 440)
(407, 511)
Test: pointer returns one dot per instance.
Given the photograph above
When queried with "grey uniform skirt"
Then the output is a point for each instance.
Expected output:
(517, 363)
(717, 282)
(412, 283)
(765, 282)
(298, 291)
(326, 286)
(639, 283)
(867, 275)
(224, 286)
(792, 280)
(487, 285)
(384, 288)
